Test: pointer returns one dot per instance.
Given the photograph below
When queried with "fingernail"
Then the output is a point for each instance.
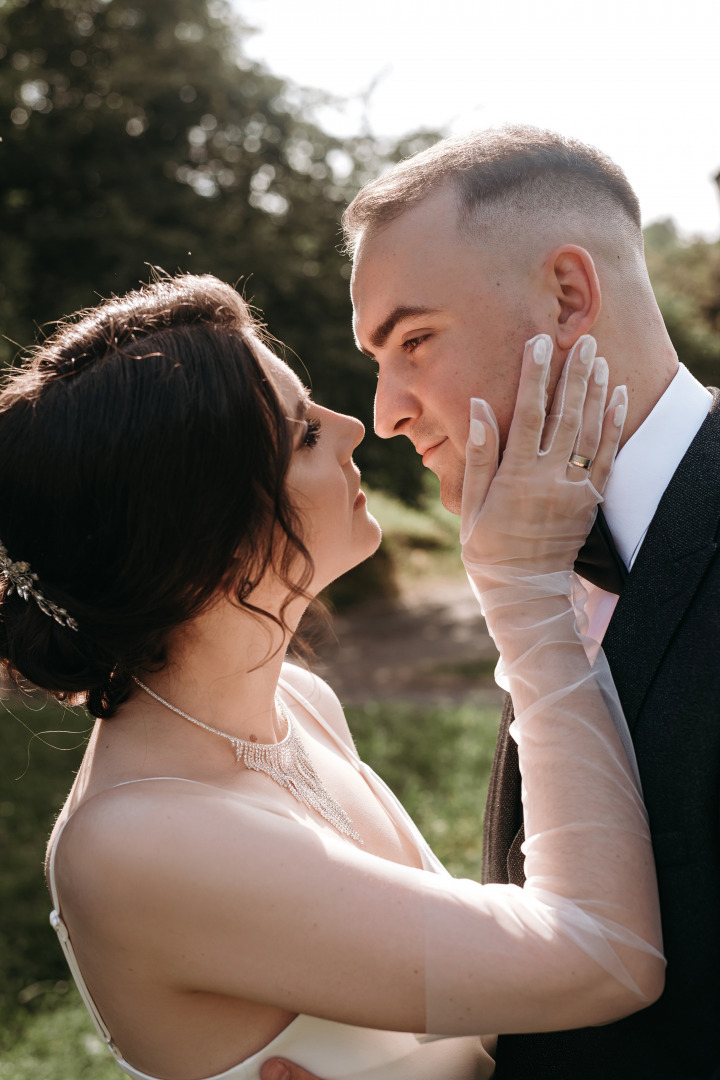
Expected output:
(275, 1070)
(480, 410)
(600, 371)
(587, 350)
(619, 414)
(478, 434)
(540, 350)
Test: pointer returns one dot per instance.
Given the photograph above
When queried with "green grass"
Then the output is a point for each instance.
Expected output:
(478, 670)
(437, 760)
(58, 1042)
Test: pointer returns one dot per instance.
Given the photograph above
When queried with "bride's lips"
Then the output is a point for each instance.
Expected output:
(427, 454)
(360, 500)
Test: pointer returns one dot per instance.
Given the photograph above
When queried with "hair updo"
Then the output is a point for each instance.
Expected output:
(143, 458)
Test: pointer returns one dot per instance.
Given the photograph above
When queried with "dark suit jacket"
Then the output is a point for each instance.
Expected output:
(663, 646)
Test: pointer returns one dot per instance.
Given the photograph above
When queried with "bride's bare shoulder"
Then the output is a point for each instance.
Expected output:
(143, 836)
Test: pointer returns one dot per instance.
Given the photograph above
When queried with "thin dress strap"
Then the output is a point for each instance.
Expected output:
(299, 698)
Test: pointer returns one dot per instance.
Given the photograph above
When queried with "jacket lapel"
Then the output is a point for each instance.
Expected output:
(682, 538)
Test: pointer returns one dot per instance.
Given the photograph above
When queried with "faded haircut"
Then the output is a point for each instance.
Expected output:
(510, 170)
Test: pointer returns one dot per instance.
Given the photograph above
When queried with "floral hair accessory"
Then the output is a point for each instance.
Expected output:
(22, 580)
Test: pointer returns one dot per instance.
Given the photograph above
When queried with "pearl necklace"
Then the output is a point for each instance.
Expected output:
(286, 762)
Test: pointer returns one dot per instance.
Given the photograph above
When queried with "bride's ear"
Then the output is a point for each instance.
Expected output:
(575, 289)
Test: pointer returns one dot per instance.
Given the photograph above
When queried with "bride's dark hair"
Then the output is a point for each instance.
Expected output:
(143, 458)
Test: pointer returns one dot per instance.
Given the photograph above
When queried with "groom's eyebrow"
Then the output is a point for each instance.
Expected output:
(399, 314)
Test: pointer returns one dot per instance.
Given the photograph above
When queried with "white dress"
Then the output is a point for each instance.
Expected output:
(329, 1050)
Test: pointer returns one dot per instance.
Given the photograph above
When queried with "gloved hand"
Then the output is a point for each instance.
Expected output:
(524, 522)
(531, 515)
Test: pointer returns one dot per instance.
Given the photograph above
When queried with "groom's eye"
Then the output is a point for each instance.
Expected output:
(412, 343)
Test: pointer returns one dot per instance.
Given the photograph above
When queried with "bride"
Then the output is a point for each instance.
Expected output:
(230, 882)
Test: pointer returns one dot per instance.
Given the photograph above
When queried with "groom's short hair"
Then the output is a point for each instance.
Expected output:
(509, 171)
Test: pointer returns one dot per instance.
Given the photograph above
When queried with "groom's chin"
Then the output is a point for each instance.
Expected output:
(451, 493)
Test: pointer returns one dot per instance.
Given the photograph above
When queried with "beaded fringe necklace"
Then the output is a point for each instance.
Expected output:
(286, 762)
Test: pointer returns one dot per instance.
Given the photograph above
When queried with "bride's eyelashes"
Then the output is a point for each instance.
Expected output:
(310, 432)
(313, 428)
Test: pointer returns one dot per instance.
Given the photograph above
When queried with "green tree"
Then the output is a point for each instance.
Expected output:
(686, 279)
(139, 134)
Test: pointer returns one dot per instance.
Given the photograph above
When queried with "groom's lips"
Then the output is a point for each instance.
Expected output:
(430, 450)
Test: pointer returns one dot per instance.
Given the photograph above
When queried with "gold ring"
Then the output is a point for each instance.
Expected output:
(580, 461)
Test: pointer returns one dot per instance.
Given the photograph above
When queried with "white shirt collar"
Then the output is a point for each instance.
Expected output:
(647, 461)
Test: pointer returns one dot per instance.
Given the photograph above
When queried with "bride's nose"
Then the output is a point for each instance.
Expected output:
(353, 432)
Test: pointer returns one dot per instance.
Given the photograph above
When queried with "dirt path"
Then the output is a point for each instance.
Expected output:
(431, 645)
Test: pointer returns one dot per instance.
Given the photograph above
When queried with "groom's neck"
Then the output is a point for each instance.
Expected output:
(640, 355)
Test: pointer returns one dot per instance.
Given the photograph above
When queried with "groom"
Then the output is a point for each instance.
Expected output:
(460, 254)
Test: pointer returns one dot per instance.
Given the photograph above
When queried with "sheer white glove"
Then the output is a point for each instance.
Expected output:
(524, 523)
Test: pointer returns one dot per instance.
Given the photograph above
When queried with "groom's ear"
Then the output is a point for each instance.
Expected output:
(575, 289)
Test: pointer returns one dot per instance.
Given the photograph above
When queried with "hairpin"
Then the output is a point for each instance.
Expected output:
(22, 581)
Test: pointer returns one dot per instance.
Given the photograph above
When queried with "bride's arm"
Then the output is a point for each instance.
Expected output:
(227, 899)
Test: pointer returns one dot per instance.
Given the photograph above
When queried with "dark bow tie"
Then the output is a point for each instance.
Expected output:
(598, 561)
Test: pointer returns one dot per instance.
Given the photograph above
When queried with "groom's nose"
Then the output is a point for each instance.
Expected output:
(395, 406)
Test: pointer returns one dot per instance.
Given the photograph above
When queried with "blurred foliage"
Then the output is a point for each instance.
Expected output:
(686, 280)
(428, 526)
(373, 579)
(140, 134)
(437, 760)
(35, 777)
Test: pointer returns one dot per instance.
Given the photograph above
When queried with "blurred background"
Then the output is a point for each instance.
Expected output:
(226, 137)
